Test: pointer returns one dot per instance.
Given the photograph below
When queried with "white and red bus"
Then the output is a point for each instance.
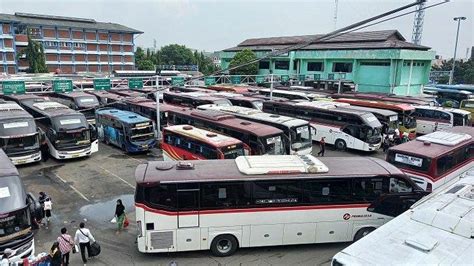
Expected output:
(184, 142)
(193, 99)
(430, 118)
(431, 159)
(256, 201)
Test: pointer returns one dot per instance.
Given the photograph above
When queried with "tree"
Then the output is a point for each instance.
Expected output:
(463, 72)
(175, 54)
(146, 64)
(139, 55)
(243, 57)
(35, 55)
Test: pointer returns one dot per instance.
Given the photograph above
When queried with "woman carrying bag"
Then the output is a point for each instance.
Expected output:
(121, 218)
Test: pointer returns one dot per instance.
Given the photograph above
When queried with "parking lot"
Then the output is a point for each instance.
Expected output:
(87, 188)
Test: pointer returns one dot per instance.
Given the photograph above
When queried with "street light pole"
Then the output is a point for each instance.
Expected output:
(158, 135)
(451, 75)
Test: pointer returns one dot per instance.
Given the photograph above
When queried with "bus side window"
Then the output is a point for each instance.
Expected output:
(277, 192)
(367, 189)
(444, 164)
(224, 195)
(163, 196)
(398, 185)
(327, 191)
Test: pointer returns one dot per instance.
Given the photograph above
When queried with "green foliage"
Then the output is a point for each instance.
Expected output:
(35, 55)
(243, 57)
(146, 65)
(463, 71)
(448, 104)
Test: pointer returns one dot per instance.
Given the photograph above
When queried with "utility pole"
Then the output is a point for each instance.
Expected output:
(271, 86)
(418, 23)
(335, 13)
(158, 124)
(451, 75)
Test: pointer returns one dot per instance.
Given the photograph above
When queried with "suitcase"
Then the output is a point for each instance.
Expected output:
(95, 249)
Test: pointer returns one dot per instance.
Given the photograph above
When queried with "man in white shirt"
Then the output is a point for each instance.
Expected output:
(84, 238)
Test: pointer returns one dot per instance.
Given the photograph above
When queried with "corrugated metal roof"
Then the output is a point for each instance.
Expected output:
(68, 22)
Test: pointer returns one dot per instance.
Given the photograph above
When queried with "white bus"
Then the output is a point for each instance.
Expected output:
(430, 118)
(297, 139)
(68, 134)
(344, 128)
(291, 95)
(437, 230)
(256, 201)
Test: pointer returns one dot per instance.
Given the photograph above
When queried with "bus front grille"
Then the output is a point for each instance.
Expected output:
(161, 240)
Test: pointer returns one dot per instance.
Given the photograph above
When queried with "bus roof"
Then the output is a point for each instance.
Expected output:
(124, 116)
(216, 139)
(382, 112)
(75, 94)
(12, 192)
(377, 104)
(437, 230)
(333, 106)
(434, 89)
(227, 170)
(194, 95)
(230, 121)
(19, 98)
(11, 109)
(50, 108)
(229, 88)
(451, 138)
(6, 166)
(439, 108)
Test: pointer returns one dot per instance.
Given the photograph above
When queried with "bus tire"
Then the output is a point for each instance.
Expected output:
(224, 245)
(340, 145)
(363, 232)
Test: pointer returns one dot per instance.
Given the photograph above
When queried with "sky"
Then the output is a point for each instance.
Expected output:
(213, 25)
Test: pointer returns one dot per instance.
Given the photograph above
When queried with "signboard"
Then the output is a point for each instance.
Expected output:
(285, 78)
(209, 81)
(410, 160)
(13, 87)
(178, 67)
(101, 84)
(177, 81)
(62, 85)
(235, 79)
(135, 83)
(259, 79)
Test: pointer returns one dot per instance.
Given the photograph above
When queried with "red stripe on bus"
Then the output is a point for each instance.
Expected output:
(441, 176)
(296, 208)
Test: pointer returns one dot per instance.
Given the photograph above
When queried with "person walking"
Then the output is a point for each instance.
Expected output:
(120, 215)
(84, 237)
(386, 143)
(66, 244)
(322, 144)
(48, 206)
(55, 255)
(7, 253)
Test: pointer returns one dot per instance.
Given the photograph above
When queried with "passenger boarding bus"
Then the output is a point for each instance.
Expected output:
(192, 99)
(129, 131)
(291, 95)
(19, 136)
(262, 139)
(256, 201)
(183, 142)
(431, 159)
(68, 134)
(437, 230)
(17, 211)
(430, 119)
(297, 138)
(406, 121)
(343, 128)
(79, 101)
(388, 119)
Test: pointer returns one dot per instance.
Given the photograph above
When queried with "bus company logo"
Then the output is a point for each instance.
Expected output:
(346, 216)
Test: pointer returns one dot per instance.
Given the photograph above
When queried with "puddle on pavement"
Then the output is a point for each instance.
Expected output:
(105, 211)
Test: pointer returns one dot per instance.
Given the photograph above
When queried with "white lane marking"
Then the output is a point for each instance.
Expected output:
(72, 187)
(112, 174)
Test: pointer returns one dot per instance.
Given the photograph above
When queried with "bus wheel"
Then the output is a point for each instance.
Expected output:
(224, 245)
(341, 145)
(363, 232)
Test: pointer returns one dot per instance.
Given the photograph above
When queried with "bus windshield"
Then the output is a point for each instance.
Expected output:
(461, 120)
(73, 138)
(233, 151)
(405, 161)
(141, 132)
(19, 144)
(408, 120)
(17, 128)
(14, 222)
(272, 145)
(258, 104)
(300, 137)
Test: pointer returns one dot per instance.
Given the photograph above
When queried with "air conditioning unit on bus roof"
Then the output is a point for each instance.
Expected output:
(444, 138)
(280, 164)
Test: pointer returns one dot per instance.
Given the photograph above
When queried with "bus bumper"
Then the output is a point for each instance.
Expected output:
(23, 251)
(35, 157)
(72, 154)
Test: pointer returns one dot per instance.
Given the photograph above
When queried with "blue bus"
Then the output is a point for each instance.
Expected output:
(124, 129)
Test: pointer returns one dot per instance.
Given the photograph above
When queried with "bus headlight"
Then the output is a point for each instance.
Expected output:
(139, 229)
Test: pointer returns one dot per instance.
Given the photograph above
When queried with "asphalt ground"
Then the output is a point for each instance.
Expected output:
(85, 189)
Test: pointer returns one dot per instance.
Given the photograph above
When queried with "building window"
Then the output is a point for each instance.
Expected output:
(20, 29)
(282, 65)
(34, 32)
(315, 66)
(262, 64)
(342, 67)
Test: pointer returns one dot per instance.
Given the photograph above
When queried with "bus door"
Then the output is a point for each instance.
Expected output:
(188, 234)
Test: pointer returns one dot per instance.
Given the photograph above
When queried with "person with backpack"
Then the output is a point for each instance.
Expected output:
(84, 238)
(66, 244)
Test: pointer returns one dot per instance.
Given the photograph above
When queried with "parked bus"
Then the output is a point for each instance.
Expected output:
(21, 99)
(340, 127)
(79, 101)
(291, 95)
(391, 98)
(183, 142)
(126, 130)
(243, 101)
(406, 121)
(430, 119)
(106, 97)
(450, 95)
(128, 93)
(297, 138)
(468, 105)
(437, 230)
(262, 139)
(388, 119)
(256, 201)
(229, 88)
(17, 210)
(192, 99)
(19, 136)
(68, 134)
(431, 158)
(189, 89)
